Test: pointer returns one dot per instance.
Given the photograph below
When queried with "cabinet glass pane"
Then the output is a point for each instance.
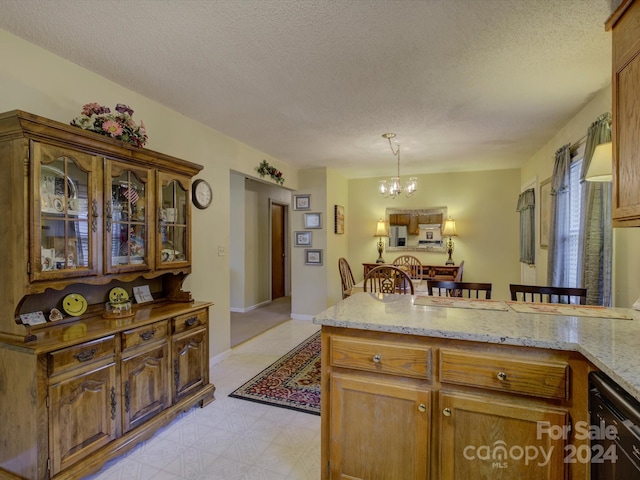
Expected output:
(128, 234)
(174, 243)
(64, 210)
(173, 218)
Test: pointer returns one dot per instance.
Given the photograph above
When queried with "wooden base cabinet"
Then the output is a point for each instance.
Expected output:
(380, 429)
(76, 407)
(406, 406)
(486, 437)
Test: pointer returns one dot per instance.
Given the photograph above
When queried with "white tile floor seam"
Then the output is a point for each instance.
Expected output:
(232, 439)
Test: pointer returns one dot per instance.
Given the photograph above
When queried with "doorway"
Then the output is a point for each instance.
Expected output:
(279, 249)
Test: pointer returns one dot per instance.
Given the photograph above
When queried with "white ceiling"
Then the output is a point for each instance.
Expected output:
(465, 84)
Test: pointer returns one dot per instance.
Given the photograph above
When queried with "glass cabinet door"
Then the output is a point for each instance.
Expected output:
(126, 218)
(65, 213)
(173, 221)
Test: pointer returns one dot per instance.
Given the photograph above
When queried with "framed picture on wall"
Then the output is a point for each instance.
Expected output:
(313, 220)
(302, 202)
(313, 257)
(545, 212)
(302, 239)
(339, 219)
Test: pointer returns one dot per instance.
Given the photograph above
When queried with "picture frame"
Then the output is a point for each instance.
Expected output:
(313, 257)
(545, 212)
(338, 219)
(313, 220)
(302, 202)
(302, 239)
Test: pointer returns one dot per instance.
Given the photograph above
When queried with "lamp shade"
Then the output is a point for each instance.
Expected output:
(449, 229)
(381, 229)
(601, 166)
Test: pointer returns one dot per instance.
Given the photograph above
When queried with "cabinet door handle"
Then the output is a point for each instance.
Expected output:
(85, 355)
(422, 408)
(148, 335)
(377, 358)
(94, 215)
(446, 412)
(109, 216)
(190, 322)
(502, 376)
(113, 403)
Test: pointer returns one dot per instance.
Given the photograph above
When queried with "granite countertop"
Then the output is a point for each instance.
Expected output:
(612, 345)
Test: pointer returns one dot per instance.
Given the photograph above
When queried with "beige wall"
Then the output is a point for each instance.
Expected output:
(540, 167)
(39, 82)
(337, 244)
(309, 287)
(483, 205)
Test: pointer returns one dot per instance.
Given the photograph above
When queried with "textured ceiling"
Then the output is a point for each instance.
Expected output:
(465, 84)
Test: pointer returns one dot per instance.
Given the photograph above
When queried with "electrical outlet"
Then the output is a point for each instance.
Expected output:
(221, 251)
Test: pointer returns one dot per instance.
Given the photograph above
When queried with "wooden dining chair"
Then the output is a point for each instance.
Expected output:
(346, 277)
(544, 294)
(388, 279)
(412, 265)
(444, 288)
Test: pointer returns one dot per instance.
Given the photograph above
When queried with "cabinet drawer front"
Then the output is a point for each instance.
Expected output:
(381, 357)
(525, 376)
(141, 335)
(78, 355)
(189, 321)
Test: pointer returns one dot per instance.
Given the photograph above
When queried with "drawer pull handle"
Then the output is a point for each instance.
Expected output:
(446, 412)
(85, 355)
(502, 376)
(191, 321)
(422, 408)
(377, 358)
(148, 335)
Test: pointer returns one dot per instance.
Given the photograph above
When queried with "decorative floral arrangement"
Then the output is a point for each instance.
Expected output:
(119, 125)
(265, 169)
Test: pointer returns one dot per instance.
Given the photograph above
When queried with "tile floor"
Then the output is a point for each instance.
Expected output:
(232, 439)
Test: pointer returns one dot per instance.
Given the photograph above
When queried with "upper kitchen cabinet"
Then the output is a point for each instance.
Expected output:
(83, 208)
(625, 81)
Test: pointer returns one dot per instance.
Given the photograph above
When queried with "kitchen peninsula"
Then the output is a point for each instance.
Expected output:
(418, 391)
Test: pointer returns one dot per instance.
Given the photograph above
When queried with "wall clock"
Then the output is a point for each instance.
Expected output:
(202, 194)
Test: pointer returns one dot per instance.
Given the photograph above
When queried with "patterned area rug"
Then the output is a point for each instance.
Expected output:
(293, 381)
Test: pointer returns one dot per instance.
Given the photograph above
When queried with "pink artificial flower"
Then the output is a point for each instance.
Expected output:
(112, 128)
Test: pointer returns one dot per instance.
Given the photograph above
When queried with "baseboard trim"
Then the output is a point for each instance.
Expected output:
(248, 309)
(297, 316)
(219, 358)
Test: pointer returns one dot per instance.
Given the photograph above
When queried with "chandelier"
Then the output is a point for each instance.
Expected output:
(392, 187)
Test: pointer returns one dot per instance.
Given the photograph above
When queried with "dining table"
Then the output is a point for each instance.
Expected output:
(420, 287)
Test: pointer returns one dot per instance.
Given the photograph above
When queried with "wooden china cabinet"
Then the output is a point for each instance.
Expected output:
(84, 214)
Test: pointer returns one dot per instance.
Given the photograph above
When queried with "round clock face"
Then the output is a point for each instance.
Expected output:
(202, 194)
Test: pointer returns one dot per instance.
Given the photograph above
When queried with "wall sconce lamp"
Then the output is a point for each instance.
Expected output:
(381, 232)
(601, 166)
(449, 230)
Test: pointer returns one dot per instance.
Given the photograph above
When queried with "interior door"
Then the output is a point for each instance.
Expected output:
(278, 250)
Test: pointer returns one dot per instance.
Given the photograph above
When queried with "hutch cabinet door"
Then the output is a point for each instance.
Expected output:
(379, 429)
(65, 213)
(484, 436)
(174, 221)
(145, 386)
(128, 202)
(190, 363)
(83, 415)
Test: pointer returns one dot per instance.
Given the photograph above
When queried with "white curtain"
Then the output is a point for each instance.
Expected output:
(596, 239)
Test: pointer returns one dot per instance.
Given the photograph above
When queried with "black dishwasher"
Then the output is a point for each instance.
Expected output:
(615, 420)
